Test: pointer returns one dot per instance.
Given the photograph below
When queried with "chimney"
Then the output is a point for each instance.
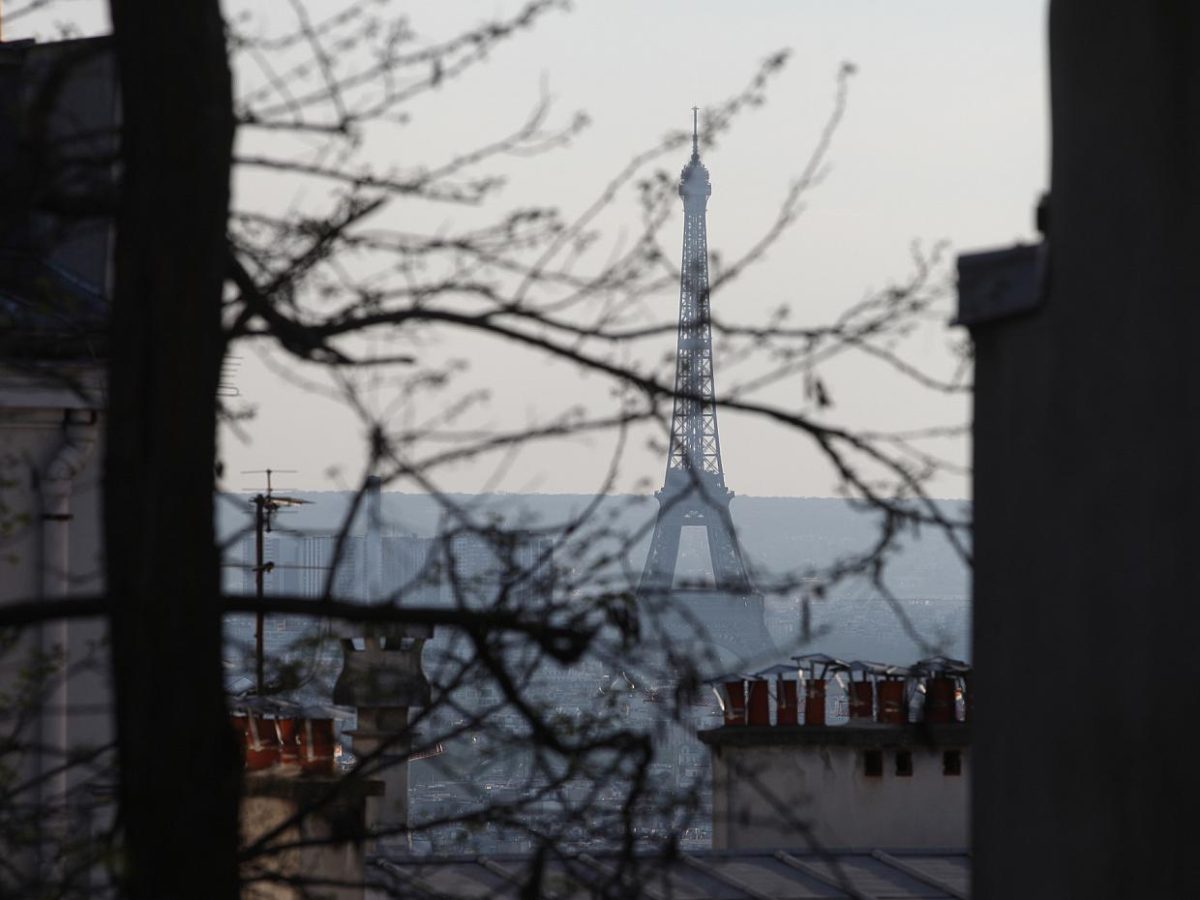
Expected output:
(382, 678)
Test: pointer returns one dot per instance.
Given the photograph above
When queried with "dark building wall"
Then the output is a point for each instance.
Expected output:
(1087, 583)
(58, 139)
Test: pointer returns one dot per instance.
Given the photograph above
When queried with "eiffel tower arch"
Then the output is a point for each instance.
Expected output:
(728, 616)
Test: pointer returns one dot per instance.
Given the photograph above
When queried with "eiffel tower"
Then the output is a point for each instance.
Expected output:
(729, 614)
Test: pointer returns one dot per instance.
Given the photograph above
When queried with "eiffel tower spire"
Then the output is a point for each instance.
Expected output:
(694, 491)
(695, 443)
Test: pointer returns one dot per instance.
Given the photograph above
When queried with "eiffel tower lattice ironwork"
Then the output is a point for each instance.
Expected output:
(694, 491)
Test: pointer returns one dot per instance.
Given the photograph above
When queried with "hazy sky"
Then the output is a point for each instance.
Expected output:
(944, 139)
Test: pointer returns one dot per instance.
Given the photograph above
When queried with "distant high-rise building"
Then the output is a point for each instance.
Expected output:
(410, 570)
(279, 565)
(478, 567)
(318, 554)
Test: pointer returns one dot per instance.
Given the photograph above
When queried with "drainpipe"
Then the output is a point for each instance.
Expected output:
(57, 481)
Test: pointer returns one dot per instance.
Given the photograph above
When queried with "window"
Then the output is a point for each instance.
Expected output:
(952, 762)
(904, 763)
(873, 763)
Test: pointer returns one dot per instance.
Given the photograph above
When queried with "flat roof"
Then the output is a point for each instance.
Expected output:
(869, 734)
(702, 874)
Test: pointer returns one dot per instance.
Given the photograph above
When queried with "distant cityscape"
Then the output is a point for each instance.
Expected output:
(490, 764)
(388, 567)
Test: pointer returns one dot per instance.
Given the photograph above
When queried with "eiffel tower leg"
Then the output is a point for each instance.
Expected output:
(729, 570)
(658, 575)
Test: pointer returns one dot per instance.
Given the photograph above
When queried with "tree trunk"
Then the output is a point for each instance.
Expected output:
(179, 774)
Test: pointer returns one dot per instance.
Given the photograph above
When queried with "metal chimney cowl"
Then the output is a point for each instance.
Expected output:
(386, 672)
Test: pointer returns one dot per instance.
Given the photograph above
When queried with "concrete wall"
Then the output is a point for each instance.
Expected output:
(786, 796)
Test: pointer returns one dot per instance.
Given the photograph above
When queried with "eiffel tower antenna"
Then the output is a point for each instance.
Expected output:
(694, 491)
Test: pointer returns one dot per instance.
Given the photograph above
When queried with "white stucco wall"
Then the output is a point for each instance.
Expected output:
(766, 796)
(34, 414)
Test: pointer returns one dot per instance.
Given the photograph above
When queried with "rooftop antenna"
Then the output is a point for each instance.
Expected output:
(265, 506)
(695, 132)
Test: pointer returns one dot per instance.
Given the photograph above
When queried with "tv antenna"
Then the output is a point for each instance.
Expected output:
(265, 506)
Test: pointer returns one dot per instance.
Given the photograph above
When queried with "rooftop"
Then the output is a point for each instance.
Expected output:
(867, 734)
(780, 875)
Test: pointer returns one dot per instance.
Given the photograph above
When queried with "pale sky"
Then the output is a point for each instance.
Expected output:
(945, 138)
